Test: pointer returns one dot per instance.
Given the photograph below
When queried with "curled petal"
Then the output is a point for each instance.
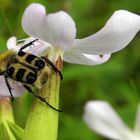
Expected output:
(58, 28)
(86, 59)
(17, 89)
(119, 30)
(101, 118)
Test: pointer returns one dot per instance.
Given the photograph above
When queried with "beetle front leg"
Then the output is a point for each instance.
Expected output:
(53, 66)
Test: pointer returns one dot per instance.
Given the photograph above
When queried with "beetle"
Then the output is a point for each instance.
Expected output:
(26, 68)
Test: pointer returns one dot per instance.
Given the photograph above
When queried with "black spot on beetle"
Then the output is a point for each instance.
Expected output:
(10, 71)
(30, 58)
(21, 53)
(31, 78)
(20, 74)
(40, 64)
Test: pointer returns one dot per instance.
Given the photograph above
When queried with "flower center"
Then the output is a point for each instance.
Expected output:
(54, 53)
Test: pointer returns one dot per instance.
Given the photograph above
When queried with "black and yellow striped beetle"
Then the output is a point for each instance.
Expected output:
(24, 68)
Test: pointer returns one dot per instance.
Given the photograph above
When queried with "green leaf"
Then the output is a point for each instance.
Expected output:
(3, 132)
(16, 130)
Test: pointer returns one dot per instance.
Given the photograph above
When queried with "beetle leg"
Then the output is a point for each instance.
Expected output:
(9, 87)
(27, 45)
(39, 97)
(53, 66)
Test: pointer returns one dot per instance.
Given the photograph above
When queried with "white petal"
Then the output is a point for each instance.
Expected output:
(101, 118)
(12, 43)
(137, 123)
(39, 47)
(17, 89)
(58, 28)
(119, 30)
(86, 59)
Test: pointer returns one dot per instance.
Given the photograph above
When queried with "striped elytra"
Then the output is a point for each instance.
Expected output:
(31, 78)
(25, 68)
(21, 73)
(30, 60)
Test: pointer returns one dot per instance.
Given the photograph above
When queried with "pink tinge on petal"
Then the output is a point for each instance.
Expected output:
(58, 28)
(17, 89)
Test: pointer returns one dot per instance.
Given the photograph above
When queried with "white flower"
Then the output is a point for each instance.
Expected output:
(58, 29)
(100, 117)
(56, 33)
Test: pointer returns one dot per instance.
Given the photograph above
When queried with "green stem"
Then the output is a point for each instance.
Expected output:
(42, 122)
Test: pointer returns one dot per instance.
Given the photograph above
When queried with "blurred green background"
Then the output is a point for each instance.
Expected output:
(116, 81)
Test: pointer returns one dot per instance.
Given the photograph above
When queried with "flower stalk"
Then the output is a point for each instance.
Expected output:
(42, 122)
